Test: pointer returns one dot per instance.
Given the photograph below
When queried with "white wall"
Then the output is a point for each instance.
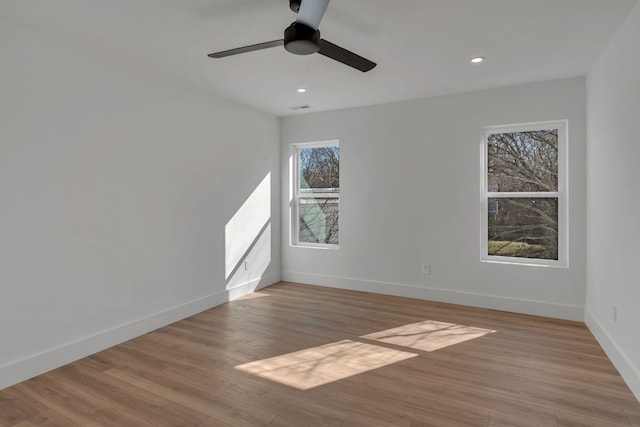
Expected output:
(116, 191)
(613, 88)
(410, 194)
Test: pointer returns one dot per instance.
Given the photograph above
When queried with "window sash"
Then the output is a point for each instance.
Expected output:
(527, 195)
(318, 195)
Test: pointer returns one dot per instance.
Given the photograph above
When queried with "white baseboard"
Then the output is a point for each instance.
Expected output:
(537, 308)
(629, 372)
(31, 366)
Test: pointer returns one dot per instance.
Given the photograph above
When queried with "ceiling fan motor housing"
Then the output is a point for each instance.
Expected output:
(301, 39)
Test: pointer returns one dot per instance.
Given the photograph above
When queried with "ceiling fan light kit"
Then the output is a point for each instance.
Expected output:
(302, 37)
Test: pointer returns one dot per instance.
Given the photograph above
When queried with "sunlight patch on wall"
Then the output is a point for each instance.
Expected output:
(316, 366)
(252, 265)
(429, 335)
(244, 229)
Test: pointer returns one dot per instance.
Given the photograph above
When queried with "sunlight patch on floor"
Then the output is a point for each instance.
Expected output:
(252, 295)
(316, 366)
(428, 336)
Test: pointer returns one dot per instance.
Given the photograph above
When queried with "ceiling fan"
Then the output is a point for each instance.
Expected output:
(302, 37)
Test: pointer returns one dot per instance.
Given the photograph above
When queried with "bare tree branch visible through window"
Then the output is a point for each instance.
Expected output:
(319, 187)
(523, 162)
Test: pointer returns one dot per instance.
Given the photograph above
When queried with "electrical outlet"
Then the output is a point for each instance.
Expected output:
(426, 269)
(246, 265)
(614, 313)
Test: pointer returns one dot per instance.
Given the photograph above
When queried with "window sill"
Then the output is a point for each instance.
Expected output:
(523, 263)
(315, 246)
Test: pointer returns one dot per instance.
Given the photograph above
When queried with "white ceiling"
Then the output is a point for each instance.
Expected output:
(422, 47)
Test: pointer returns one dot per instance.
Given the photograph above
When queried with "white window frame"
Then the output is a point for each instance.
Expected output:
(295, 181)
(561, 194)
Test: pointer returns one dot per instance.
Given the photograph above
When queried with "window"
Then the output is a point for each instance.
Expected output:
(317, 190)
(524, 196)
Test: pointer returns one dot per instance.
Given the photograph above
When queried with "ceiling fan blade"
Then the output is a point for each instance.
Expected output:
(244, 49)
(345, 56)
(311, 12)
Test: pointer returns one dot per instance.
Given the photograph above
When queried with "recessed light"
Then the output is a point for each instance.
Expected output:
(477, 59)
(301, 90)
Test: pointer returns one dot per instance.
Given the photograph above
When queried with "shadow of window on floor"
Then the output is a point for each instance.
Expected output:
(327, 363)
(316, 366)
(429, 335)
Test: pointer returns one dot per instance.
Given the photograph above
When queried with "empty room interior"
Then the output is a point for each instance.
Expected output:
(351, 213)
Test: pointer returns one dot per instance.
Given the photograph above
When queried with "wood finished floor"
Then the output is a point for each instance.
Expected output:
(531, 371)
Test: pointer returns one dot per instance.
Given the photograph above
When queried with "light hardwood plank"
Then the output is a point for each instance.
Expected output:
(528, 371)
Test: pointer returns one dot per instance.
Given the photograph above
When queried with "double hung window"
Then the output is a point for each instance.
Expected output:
(524, 194)
(317, 194)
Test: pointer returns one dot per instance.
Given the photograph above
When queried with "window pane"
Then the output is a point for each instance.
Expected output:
(319, 169)
(523, 227)
(318, 220)
(523, 161)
